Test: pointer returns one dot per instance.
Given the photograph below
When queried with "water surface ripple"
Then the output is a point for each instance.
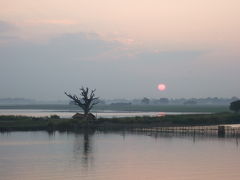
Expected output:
(117, 156)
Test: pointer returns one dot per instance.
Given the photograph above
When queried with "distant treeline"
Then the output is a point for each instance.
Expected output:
(9, 101)
(211, 108)
(116, 102)
(173, 101)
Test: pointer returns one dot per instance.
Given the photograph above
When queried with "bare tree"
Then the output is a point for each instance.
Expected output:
(86, 100)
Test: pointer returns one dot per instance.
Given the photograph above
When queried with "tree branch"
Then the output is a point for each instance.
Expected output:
(86, 100)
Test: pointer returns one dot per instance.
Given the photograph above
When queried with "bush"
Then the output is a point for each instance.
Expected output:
(235, 106)
(54, 116)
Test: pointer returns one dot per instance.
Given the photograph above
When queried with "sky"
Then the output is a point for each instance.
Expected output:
(124, 48)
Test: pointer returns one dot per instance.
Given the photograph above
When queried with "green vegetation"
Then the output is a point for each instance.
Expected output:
(18, 123)
(25, 123)
(235, 106)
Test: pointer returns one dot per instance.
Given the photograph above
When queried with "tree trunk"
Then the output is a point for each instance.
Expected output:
(86, 101)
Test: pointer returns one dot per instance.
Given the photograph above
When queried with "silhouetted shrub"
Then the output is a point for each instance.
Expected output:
(54, 116)
(235, 106)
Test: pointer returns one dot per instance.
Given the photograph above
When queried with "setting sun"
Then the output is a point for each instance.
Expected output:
(161, 87)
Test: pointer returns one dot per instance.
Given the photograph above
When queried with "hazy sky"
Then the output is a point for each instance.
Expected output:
(123, 48)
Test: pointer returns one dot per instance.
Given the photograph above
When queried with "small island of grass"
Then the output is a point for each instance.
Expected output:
(52, 123)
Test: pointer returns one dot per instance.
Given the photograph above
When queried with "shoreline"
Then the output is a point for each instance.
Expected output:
(26, 123)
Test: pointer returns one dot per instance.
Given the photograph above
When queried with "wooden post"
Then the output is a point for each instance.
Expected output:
(221, 131)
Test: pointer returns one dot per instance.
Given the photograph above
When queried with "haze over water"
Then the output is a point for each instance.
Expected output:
(118, 156)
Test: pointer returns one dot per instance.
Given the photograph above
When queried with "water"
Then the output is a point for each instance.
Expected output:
(68, 114)
(117, 156)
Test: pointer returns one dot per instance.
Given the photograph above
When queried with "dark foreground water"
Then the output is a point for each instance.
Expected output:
(117, 156)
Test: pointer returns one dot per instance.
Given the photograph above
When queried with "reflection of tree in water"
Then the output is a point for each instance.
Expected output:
(82, 149)
(237, 141)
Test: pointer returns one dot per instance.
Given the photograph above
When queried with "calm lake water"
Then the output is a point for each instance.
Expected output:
(117, 156)
(68, 114)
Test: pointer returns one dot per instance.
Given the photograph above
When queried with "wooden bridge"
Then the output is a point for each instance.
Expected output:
(220, 130)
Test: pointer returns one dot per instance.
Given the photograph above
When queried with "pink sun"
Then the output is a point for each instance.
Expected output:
(162, 87)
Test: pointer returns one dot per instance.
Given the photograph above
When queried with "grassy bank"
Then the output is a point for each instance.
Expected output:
(23, 123)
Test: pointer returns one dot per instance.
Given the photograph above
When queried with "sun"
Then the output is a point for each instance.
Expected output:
(162, 87)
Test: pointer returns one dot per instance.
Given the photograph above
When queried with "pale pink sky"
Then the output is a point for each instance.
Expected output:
(165, 23)
(198, 40)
